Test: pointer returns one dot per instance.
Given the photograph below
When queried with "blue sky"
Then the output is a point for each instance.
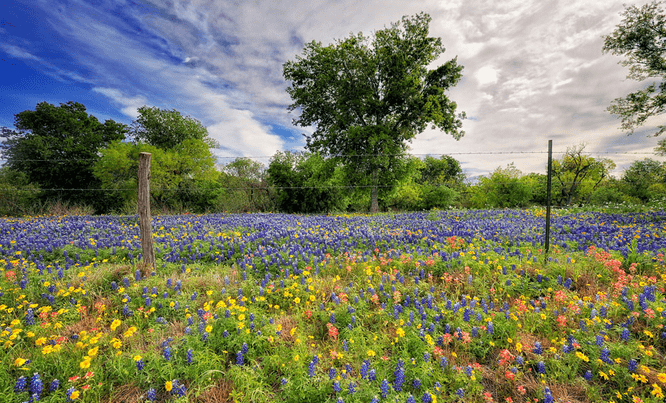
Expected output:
(534, 69)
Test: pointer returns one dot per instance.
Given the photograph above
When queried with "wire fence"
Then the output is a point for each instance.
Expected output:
(259, 157)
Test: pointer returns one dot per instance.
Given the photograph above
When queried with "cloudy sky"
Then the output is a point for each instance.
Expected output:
(534, 69)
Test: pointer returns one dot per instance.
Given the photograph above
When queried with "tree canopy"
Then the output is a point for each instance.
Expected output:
(641, 39)
(576, 174)
(167, 129)
(56, 146)
(368, 97)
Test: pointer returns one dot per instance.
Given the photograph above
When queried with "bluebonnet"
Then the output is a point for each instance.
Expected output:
(399, 374)
(587, 375)
(599, 340)
(537, 348)
(384, 387)
(364, 369)
(351, 389)
(311, 369)
(151, 394)
(20, 384)
(336, 386)
(167, 353)
(625, 334)
(410, 399)
(605, 356)
(632, 365)
(239, 358)
(29, 317)
(460, 392)
(331, 373)
(416, 384)
(426, 398)
(140, 364)
(55, 384)
(69, 394)
(541, 367)
(189, 356)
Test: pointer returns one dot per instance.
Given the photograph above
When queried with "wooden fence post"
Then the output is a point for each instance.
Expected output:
(145, 227)
(548, 200)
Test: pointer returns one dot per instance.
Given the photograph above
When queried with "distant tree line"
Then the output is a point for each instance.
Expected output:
(61, 155)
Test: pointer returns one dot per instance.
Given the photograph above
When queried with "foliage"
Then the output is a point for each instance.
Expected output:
(426, 185)
(641, 176)
(577, 175)
(17, 195)
(181, 177)
(166, 129)
(56, 147)
(368, 97)
(306, 183)
(444, 170)
(503, 188)
(245, 185)
(641, 39)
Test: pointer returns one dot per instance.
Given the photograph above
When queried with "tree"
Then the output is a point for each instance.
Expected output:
(577, 174)
(306, 183)
(503, 188)
(642, 177)
(245, 186)
(641, 38)
(182, 178)
(445, 170)
(17, 196)
(167, 128)
(367, 98)
(57, 146)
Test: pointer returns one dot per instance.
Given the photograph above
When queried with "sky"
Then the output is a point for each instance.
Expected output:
(533, 69)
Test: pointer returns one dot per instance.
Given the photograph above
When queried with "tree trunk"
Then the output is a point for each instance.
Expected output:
(374, 203)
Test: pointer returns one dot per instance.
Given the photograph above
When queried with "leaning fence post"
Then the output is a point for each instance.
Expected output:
(145, 227)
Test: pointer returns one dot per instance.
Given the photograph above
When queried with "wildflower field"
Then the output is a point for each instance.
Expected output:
(451, 306)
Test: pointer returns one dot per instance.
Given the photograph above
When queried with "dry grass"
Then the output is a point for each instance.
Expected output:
(218, 393)
(287, 323)
(125, 394)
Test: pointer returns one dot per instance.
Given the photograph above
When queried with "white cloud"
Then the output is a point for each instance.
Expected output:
(129, 105)
(486, 75)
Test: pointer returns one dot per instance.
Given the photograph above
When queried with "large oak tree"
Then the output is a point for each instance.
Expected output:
(368, 97)
(641, 39)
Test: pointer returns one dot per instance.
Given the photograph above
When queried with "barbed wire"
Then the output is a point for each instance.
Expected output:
(385, 155)
(264, 187)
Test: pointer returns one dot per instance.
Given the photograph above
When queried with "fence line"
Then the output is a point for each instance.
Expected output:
(384, 155)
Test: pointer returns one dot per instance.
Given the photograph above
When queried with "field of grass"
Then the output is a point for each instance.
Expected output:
(456, 306)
